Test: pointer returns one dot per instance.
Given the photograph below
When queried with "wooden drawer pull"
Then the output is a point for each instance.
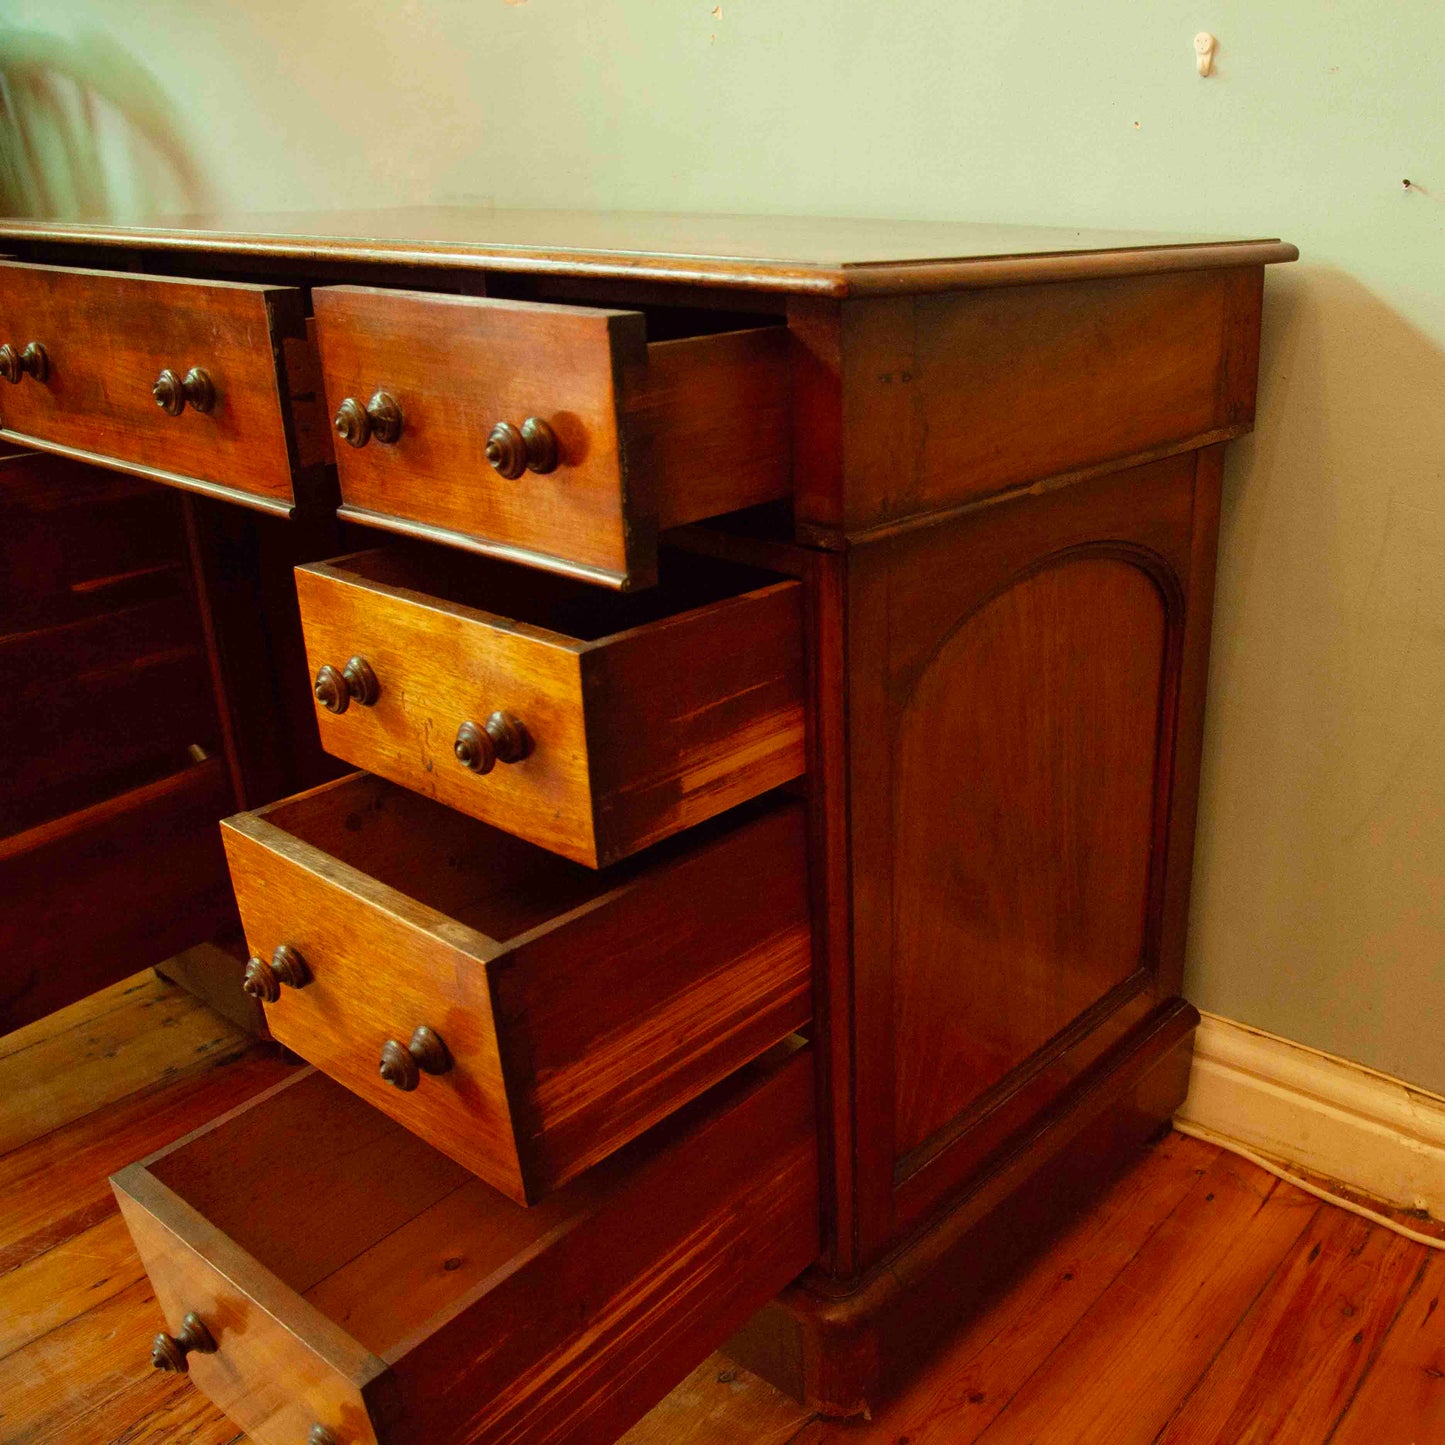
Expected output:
(380, 418)
(501, 739)
(172, 392)
(263, 980)
(532, 448)
(335, 691)
(33, 361)
(425, 1054)
(169, 1351)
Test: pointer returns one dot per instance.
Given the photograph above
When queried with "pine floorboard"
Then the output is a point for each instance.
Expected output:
(1200, 1302)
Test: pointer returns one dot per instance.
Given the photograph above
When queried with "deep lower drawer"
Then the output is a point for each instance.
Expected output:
(565, 1010)
(357, 1286)
(557, 435)
(590, 723)
(207, 385)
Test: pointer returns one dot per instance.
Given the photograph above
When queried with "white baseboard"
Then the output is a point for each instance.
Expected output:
(1305, 1108)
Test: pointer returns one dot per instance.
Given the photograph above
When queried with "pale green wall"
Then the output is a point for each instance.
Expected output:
(1320, 881)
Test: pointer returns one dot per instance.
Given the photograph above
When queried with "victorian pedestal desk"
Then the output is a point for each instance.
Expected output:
(775, 652)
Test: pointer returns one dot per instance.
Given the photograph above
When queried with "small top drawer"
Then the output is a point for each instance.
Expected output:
(554, 435)
(207, 385)
(590, 723)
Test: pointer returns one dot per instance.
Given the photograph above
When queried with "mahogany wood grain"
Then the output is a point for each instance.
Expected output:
(455, 1311)
(1020, 652)
(116, 886)
(103, 683)
(996, 443)
(1029, 739)
(647, 714)
(243, 564)
(140, 631)
(647, 436)
(101, 697)
(578, 1007)
(822, 256)
(73, 536)
(950, 399)
(109, 336)
(823, 577)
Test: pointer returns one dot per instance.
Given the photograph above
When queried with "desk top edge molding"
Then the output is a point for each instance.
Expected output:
(831, 258)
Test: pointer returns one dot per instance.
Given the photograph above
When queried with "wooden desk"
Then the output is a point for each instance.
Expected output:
(779, 651)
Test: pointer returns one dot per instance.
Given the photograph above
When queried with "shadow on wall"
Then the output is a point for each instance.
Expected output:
(1319, 909)
(87, 133)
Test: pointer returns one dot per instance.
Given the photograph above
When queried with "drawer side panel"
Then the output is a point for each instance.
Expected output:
(581, 1339)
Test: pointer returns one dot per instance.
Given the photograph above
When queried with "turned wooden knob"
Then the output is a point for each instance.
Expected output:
(356, 682)
(169, 1351)
(501, 739)
(263, 980)
(16, 366)
(172, 392)
(513, 451)
(380, 418)
(425, 1054)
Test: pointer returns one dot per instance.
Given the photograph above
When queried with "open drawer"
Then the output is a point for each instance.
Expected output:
(565, 1010)
(591, 723)
(328, 1278)
(555, 435)
(211, 386)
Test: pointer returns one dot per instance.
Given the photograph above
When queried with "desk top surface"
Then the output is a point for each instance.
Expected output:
(835, 257)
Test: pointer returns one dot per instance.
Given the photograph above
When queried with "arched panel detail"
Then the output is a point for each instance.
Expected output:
(1027, 780)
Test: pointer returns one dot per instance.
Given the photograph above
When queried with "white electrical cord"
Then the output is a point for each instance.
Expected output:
(1430, 1241)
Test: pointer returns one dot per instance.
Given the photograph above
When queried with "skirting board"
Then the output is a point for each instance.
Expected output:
(1310, 1109)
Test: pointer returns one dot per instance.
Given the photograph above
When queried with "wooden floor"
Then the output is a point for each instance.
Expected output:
(1201, 1301)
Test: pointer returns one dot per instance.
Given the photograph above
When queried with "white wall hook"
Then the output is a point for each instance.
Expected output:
(1204, 47)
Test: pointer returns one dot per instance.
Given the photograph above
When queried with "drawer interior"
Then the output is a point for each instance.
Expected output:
(578, 1007)
(353, 1212)
(354, 1277)
(475, 874)
(574, 609)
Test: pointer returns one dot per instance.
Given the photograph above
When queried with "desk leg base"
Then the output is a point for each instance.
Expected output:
(843, 1346)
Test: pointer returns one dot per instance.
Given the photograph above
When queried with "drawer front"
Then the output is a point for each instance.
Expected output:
(631, 738)
(640, 437)
(280, 1366)
(107, 338)
(550, 1327)
(563, 1042)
